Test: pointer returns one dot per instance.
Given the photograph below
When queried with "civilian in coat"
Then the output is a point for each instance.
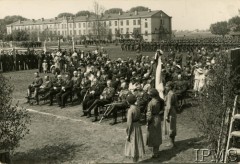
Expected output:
(66, 90)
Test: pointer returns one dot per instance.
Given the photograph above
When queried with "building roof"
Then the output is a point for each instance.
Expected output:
(123, 15)
(37, 22)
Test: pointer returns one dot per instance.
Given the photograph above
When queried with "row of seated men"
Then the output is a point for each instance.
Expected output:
(93, 94)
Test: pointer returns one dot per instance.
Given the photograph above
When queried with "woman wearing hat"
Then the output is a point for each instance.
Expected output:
(154, 131)
(134, 146)
(170, 115)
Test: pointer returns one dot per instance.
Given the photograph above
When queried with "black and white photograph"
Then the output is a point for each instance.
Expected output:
(119, 81)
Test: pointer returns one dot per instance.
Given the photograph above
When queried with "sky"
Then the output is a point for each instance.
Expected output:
(186, 14)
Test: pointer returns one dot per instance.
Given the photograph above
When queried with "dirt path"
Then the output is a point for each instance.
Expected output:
(56, 136)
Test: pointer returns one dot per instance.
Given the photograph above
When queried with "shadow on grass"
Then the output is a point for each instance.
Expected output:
(183, 145)
(48, 154)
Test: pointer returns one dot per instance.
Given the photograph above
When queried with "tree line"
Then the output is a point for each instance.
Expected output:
(109, 11)
(225, 27)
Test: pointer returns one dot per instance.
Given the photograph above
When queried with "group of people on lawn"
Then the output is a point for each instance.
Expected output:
(129, 86)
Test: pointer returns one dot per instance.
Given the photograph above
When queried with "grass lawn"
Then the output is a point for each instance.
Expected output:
(62, 136)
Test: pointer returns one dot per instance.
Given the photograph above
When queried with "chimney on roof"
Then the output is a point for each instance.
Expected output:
(136, 12)
(33, 20)
(42, 19)
(101, 14)
(55, 18)
(120, 13)
(87, 15)
(149, 10)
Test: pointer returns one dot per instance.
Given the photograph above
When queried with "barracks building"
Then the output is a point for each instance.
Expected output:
(151, 25)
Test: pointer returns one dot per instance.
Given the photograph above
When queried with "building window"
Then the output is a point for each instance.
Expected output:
(74, 32)
(70, 32)
(84, 25)
(121, 23)
(127, 29)
(127, 23)
(146, 25)
(88, 24)
(116, 30)
(110, 23)
(79, 25)
(161, 22)
(104, 24)
(74, 25)
(139, 22)
(55, 32)
(146, 33)
(110, 31)
(134, 22)
(58, 32)
(84, 32)
(79, 32)
(115, 23)
(70, 25)
(121, 31)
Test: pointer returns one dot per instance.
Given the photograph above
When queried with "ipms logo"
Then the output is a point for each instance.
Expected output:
(210, 155)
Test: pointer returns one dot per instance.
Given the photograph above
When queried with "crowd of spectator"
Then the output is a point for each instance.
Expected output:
(94, 80)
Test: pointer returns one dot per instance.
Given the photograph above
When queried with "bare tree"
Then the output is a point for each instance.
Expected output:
(99, 27)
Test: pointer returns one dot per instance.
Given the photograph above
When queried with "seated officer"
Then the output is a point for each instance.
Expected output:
(44, 88)
(84, 86)
(105, 98)
(34, 87)
(121, 104)
(76, 84)
(93, 93)
(65, 91)
(57, 86)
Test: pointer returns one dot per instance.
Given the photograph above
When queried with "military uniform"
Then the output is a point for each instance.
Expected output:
(57, 86)
(34, 87)
(66, 90)
(105, 98)
(46, 87)
(121, 104)
(93, 94)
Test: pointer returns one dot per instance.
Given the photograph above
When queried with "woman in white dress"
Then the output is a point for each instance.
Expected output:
(158, 78)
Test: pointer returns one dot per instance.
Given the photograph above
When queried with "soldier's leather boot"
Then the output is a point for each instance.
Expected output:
(95, 120)
(89, 115)
(114, 122)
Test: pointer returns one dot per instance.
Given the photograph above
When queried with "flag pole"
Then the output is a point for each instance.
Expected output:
(73, 43)
(58, 43)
